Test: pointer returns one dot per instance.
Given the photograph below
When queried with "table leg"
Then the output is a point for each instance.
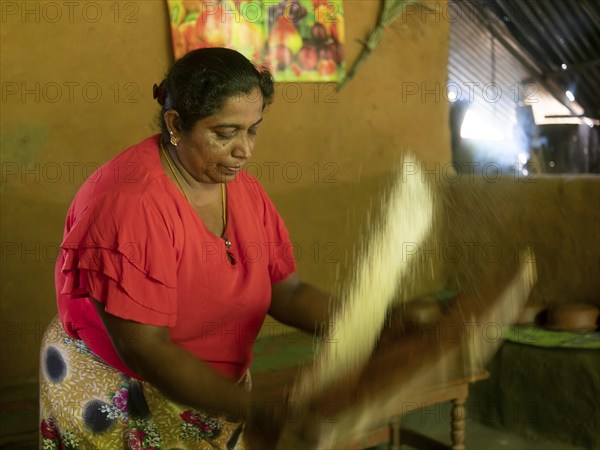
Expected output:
(458, 424)
(395, 441)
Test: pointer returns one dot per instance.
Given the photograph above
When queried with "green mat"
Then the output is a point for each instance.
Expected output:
(541, 337)
(273, 353)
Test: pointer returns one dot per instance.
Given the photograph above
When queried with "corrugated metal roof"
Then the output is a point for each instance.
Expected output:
(558, 41)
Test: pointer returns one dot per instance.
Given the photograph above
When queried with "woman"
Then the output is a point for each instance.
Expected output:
(172, 256)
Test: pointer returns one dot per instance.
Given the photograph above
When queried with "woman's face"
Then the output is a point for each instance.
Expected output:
(218, 146)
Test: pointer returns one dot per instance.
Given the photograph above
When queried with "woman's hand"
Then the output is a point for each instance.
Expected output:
(281, 426)
(303, 433)
(275, 422)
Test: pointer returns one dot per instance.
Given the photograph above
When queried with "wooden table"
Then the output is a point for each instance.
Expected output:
(390, 431)
(277, 357)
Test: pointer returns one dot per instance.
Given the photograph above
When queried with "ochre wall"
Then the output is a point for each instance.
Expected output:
(76, 89)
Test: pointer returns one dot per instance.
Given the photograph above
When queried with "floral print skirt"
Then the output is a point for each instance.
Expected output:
(87, 404)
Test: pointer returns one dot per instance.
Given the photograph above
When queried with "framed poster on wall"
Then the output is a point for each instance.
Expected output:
(297, 40)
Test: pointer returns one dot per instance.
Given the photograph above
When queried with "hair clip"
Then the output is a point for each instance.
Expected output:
(159, 92)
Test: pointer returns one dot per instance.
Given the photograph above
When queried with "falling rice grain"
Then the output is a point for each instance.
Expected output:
(381, 267)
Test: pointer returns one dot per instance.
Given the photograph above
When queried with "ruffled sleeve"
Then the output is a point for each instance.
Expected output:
(122, 252)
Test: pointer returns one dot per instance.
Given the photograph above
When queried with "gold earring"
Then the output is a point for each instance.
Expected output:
(173, 140)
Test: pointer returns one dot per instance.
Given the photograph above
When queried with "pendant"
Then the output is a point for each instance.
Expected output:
(227, 243)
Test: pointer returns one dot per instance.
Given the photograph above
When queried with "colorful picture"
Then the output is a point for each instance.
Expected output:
(298, 40)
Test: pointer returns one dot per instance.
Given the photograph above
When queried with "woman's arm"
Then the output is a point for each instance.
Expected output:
(300, 305)
(148, 351)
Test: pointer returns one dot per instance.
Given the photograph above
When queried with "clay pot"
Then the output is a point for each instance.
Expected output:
(530, 315)
(577, 317)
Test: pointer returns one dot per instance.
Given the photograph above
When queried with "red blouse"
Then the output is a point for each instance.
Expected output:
(133, 242)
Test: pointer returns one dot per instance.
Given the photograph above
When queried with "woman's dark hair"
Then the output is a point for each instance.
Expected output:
(199, 84)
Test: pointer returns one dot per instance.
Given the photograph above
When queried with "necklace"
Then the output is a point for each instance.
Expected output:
(223, 195)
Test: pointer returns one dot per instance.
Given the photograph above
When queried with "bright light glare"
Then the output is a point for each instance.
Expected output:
(451, 96)
(475, 126)
(522, 157)
(570, 96)
(564, 66)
